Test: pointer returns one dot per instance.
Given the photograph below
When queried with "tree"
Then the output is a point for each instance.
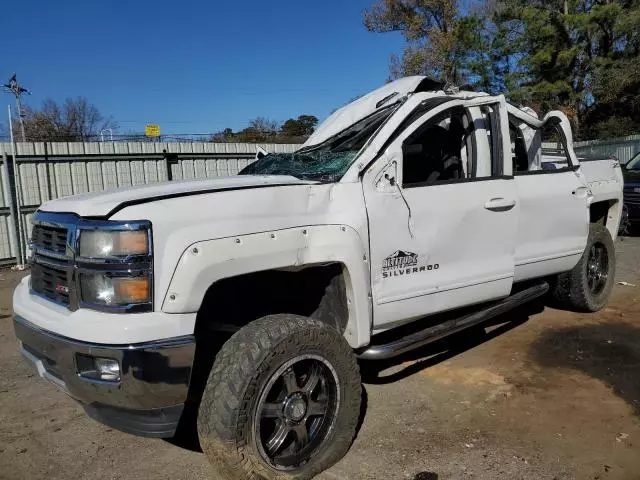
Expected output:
(260, 129)
(581, 56)
(75, 120)
(264, 126)
(303, 126)
(442, 42)
(224, 136)
(263, 129)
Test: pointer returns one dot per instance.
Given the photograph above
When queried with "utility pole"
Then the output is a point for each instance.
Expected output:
(18, 90)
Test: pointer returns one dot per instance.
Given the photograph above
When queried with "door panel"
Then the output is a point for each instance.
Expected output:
(457, 252)
(440, 246)
(554, 196)
(554, 223)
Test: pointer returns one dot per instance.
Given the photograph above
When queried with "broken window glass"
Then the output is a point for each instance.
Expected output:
(327, 162)
(320, 166)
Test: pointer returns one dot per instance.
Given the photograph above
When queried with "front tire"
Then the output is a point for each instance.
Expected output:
(587, 287)
(282, 400)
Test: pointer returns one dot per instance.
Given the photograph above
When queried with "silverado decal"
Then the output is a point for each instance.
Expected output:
(403, 263)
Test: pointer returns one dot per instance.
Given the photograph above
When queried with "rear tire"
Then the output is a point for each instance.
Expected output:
(587, 287)
(282, 400)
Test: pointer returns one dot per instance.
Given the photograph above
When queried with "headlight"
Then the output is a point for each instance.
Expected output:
(115, 266)
(105, 243)
(110, 290)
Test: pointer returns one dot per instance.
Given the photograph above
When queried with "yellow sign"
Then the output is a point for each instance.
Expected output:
(152, 130)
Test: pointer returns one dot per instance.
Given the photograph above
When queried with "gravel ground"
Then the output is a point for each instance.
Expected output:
(555, 395)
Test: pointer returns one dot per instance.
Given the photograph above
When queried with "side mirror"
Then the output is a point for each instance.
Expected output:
(261, 153)
(388, 177)
(391, 179)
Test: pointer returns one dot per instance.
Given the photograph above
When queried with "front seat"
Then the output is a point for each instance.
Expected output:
(452, 161)
(446, 156)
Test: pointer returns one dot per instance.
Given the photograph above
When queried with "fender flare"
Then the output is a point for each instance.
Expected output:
(204, 263)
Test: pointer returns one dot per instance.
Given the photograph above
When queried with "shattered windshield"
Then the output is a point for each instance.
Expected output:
(327, 162)
(318, 165)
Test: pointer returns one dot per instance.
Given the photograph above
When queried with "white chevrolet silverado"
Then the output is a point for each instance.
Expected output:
(252, 297)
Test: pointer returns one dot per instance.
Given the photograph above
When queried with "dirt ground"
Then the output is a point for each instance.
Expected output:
(555, 395)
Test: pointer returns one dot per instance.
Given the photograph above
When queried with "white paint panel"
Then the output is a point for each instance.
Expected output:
(177, 225)
(99, 327)
(554, 221)
(230, 257)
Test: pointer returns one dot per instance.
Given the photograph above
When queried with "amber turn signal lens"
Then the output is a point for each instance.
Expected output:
(131, 243)
(103, 244)
(131, 290)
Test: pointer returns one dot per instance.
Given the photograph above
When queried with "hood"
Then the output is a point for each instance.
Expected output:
(105, 204)
(364, 106)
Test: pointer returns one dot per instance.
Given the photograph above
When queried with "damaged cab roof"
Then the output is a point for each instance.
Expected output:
(392, 92)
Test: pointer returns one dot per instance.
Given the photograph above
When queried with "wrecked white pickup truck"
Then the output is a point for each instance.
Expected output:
(252, 297)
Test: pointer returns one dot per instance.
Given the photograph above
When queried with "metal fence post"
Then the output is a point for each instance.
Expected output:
(9, 194)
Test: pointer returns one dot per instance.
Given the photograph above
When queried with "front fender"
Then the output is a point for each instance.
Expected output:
(207, 262)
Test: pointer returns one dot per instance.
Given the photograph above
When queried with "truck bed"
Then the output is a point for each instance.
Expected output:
(604, 178)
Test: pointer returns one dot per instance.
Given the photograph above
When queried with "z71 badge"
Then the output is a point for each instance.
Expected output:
(404, 263)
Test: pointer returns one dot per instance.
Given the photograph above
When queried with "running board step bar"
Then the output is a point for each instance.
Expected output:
(437, 332)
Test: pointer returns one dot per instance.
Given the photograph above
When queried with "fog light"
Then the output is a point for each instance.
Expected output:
(98, 368)
(108, 369)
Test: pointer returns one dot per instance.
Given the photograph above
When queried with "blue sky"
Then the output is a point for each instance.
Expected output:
(195, 67)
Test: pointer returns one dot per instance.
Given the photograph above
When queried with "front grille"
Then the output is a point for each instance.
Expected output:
(50, 281)
(55, 266)
(631, 196)
(49, 264)
(49, 239)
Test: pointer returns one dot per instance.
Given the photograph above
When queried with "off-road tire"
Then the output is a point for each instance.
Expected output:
(239, 375)
(571, 289)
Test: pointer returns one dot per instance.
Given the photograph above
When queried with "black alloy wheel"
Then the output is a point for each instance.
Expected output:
(587, 287)
(282, 400)
(296, 411)
(597, 268)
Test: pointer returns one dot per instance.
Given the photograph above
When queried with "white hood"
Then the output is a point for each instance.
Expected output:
(364, 106)
(101, 204)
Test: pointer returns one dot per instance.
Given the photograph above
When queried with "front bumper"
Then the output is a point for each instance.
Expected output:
(154, 377)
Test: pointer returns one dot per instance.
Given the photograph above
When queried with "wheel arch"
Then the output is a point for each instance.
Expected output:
(606, 213)
(304, 260)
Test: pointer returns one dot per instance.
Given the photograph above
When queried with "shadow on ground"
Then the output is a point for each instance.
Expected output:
(442, 350)
(609, 352)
